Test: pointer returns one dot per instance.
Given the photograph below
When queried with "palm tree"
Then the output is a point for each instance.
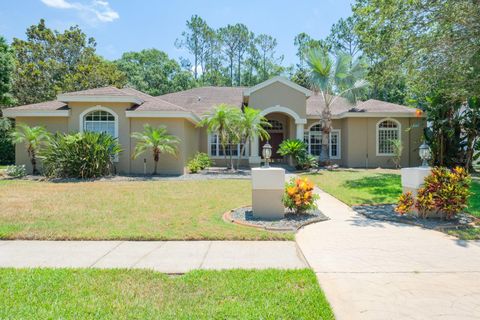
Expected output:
(334, 78)
(220, 121)
(250, 124)
(157, 140)
(34, 138)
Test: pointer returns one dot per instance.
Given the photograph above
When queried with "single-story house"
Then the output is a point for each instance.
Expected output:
(361, 135)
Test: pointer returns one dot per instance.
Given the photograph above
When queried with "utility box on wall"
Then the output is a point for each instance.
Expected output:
(267, 191)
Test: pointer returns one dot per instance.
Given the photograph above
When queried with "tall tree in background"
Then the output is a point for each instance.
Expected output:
(50, 62)
(245, 38)
(343, 37)
(334, 78)
(230, 42)
(153, 72)
(266, 45)
(6, 73)
(194, 40)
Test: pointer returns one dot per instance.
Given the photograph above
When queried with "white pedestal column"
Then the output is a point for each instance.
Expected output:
(254, 160)
(267, 191)
(412, 178)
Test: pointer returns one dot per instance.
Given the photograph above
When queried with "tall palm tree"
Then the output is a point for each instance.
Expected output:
(220, 121)
(250, 124)
(334, 77)
(156, 140)
(34, 138)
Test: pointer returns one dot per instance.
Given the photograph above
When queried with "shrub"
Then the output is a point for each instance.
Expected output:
(307, 161)
(82, 155)
(405, 203)
(299, 196)
(16, 171)
(7, 148)
(295, 148)
(199, 162)
(445, 192)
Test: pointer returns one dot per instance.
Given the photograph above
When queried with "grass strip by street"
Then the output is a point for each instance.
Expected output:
(141, 294)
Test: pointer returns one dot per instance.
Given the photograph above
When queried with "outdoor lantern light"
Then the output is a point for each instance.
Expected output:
(267, 153)
(425, 154)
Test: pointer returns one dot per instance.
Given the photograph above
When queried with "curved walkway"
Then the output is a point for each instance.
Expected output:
(371, 269)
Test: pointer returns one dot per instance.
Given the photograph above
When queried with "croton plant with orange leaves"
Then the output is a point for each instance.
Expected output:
(299, 196)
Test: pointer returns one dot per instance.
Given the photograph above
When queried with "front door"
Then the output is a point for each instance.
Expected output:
(275, 139)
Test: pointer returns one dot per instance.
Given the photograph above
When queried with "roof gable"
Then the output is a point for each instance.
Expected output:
(279, 79)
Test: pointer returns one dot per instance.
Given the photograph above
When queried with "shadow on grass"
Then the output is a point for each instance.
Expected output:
(381, 188)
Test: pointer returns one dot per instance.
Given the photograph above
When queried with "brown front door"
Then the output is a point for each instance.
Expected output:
(275, 139)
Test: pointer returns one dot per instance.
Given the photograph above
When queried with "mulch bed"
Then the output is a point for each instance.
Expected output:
(386, 212)
(291, 222)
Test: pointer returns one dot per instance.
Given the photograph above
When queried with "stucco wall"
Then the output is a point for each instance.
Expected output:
(360, 137)
(167, 164)
(279, 94)
(52, 124)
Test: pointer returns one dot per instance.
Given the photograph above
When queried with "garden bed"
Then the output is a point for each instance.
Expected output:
(291, 222)
(387, 212)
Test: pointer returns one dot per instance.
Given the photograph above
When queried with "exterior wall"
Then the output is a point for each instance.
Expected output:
(167, 164)
(360, 136)
(77, 108)
(279, 94)
(52, 124)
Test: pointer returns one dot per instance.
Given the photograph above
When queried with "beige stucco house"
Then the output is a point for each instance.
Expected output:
(361, 135)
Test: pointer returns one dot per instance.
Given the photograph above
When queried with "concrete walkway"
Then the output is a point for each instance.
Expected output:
(165, 256)
(381, 270)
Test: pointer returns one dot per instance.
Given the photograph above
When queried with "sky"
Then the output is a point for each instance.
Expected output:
(132, 25)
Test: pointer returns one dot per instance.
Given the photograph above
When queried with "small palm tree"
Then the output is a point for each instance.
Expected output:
(34, 138)
(333, 79)
(157, 140)
(220, 121)
(251, 124)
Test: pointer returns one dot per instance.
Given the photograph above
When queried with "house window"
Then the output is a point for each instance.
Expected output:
(315, 140)
(387, 131)
(100, 121)
(216, 150)
(275, 125)
(334, 141)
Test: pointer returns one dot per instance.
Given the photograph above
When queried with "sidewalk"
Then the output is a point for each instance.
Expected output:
(164, 256)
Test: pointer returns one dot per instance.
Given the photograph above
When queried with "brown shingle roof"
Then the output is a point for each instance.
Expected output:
(152, 103)
(203, 99)
(104, 91)
(48, 105)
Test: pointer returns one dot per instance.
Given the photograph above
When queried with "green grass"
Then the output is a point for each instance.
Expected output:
(107, 210)
(140, 294)
(474, 204)
(360, 186)
(466, 234)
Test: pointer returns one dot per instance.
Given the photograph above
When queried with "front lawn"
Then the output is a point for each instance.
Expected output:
(140, 294)
(360, 186)
(146, 210)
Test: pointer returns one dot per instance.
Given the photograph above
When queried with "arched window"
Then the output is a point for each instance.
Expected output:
(313, 139)
(388, 130)
(275, 125)
(100, 121)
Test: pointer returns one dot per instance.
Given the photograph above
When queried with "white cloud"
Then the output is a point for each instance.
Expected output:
(95, 10)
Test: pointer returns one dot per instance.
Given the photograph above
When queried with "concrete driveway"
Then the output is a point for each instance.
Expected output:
(381, 270)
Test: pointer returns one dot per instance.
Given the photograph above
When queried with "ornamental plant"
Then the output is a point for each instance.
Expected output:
(299, 196)
(445, 192)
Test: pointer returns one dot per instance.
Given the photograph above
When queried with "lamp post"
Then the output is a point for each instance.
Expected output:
(267, 153)
(425, 154)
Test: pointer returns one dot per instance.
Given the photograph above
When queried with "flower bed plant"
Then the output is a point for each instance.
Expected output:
(299, 196)
(445, 193)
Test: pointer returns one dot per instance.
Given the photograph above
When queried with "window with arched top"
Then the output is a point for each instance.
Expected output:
(100, 121)
(275, 125)
(313, 140)
(388, 130)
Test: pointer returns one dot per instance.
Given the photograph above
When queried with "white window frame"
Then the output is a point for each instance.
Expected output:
(219, 146)
(100, 108)
(339, 144)
(378, 129)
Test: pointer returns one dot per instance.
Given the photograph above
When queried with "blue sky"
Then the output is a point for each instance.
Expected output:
(132, 25)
